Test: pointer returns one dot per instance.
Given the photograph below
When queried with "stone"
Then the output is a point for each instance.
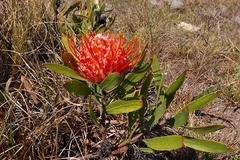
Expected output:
(176, 4)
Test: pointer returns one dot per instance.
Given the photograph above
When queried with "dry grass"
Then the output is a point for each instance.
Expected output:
(211, 55)
(39, 120)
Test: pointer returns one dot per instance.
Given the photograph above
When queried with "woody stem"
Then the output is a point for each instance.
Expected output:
(103, 116)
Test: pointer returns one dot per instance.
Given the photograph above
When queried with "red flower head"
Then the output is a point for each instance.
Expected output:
(99, 55)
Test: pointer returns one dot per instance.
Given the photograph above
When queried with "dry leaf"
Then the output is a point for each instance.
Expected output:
(8, 84)
(29, 89)
(120, 150)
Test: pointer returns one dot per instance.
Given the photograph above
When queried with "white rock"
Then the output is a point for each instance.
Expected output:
(177, 4)
(157, 2)
(188, 27)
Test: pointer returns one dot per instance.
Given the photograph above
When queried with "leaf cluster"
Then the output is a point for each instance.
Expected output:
(124, 98)
(92, 17)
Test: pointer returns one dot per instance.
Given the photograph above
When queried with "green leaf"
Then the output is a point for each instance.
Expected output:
(102, 8)
(131, 79)
(131, 119)
(158, 111)
(86, 26)
(124, 106)
(165, 143)
(72, 7)
(160, 106)
(144, 93)
(206, 145)
(78, 88)
(91, 18)
(82, 17)
(97, 94)
(132, 116)
(158, 77)
(201, 102)
(76, 20)
(64, 70)
(110, 82)
(92, 115)
(63, 28)
(144, 51)
(135, 93)
(65, 43)
(146, 150)
(206, 129)
(171, 91)
(89, 8)
(205, 92)
(146, 85)
(180, 118)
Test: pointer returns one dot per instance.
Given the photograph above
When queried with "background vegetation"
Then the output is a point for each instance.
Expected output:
(40, 120)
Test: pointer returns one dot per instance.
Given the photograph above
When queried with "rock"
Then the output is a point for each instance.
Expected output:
(176, 4)
(157, 2)
(188, 27)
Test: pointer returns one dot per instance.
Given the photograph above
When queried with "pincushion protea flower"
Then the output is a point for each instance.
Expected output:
(99, 55)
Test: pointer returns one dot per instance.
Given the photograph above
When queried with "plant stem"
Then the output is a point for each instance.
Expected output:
(103, 116)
